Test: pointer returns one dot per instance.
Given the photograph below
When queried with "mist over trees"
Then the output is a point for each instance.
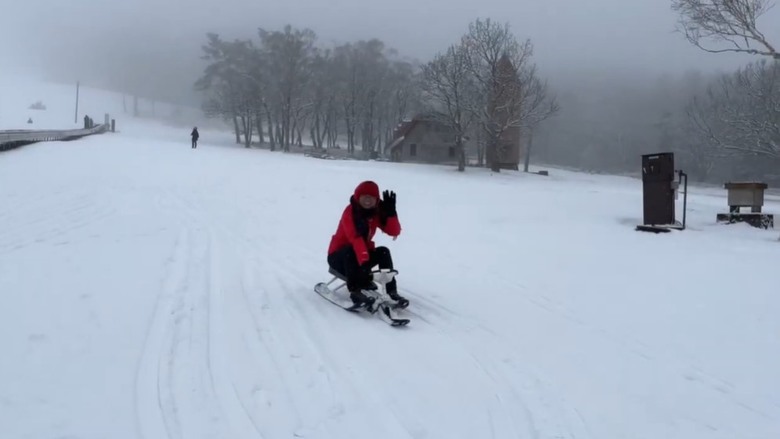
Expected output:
(720, 125)
(285, 89)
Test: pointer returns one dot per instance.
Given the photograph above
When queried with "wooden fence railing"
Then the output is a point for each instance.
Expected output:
(15, 138)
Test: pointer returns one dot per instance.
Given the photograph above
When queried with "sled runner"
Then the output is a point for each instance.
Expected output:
(381, 305)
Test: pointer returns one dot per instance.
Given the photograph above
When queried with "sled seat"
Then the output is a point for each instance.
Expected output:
(337, 274)
(371, 287)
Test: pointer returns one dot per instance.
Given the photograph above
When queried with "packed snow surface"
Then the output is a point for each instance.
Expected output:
(151, 290)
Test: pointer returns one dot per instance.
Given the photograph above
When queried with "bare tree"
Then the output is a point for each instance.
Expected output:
(234, 94)
(371, 87)
(289, 54)
(376, 72)
(535, 105)
(493, 54)
(742, 114)
(733, 22)
(321, 93)
(350, 89)
(512, 97)
(404, 95)
(694, 150)
(448, 85)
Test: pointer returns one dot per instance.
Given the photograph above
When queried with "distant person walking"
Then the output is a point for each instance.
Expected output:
(195, 137)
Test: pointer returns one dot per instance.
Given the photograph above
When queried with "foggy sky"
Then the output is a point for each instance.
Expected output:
(571, 37)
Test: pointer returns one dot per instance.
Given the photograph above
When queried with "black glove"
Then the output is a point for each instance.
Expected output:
(388, 204)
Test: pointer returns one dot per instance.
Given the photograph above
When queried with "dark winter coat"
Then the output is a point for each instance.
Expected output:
(357, 226)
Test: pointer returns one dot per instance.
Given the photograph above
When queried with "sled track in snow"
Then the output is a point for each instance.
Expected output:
(270, 367)
(31, 222)
(290, 372)
(150, 407)
(514, 385)
(287, 370)
(516, 389)
(660, 356)
(183, 372)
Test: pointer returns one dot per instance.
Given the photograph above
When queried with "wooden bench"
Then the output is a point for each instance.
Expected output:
(746, 194)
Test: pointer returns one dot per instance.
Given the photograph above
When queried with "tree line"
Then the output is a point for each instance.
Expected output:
(284, 88)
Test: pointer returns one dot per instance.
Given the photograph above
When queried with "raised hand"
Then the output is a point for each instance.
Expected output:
(388, 203)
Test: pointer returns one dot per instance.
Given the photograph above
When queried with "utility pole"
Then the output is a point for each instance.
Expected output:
(76, 117)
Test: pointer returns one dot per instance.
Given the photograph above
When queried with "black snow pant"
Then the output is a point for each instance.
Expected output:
(194, 143)
(345, 262)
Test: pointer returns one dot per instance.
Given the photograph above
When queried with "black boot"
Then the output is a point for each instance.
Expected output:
(360, 300)
(401, 302)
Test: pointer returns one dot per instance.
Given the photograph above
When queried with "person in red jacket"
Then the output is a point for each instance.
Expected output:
(352, 251)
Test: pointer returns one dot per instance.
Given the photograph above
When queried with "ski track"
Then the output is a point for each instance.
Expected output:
(311, 349)
(287, 363)
(151, 416)
(333, 355)
(575, 425)
(32, 223)
(283, 353)
(266, 370)
(238, 344)
(291, 358)
(545, 414)
(183, 372)
(660, 357)
(498, 378)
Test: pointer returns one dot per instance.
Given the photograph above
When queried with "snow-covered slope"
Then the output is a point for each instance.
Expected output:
(151, 290)
(18, 94)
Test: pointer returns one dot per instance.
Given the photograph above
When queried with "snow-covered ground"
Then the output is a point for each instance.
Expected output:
(150, 290)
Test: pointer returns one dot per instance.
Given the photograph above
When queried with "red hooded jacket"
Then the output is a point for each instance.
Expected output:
(347, 231)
